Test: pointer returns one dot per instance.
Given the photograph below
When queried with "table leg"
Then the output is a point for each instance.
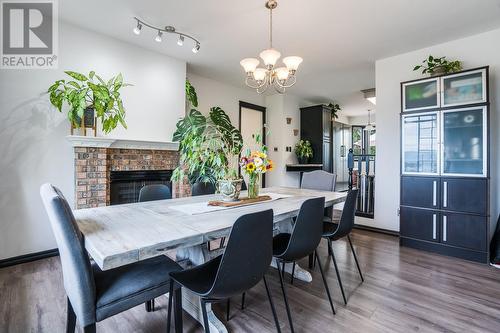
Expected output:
(197, 255)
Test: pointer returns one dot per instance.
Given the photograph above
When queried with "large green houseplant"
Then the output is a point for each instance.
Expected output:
(90, 92)
(208, 145)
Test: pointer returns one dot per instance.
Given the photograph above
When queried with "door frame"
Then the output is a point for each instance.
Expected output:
(260, 109)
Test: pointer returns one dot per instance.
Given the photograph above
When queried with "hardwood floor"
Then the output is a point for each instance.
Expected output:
(404, 290)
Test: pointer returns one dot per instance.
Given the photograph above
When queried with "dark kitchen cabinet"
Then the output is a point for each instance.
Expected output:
(468, 231)
(420, 224)
(420, 191)
(444, 202)
(467, 195)
(316, 126)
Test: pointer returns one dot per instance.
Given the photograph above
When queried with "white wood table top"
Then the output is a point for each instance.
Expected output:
(123, 234)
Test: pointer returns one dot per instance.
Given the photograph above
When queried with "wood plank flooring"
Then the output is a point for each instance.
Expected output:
(405, 290)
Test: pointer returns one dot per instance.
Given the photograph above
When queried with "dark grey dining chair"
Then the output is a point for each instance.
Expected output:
(302, 242)
(243, 265)
(201, 188)
(92, 294)
(334, 231)
(154, 192)
(319, 180)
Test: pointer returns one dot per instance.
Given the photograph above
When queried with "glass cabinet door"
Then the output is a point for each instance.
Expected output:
(420, 144)
(421, 95)
(464, 142)
(464, 88)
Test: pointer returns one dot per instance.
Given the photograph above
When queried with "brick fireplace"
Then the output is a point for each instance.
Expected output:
(95, 158)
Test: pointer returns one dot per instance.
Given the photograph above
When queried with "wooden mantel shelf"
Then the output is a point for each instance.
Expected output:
(104, 142)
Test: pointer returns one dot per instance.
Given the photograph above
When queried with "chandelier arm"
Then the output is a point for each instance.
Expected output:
(263, 87)
(248, 82)
(166, 30)
(288, 82)
(279, 89)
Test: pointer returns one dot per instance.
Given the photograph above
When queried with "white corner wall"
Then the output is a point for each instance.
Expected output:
(33, 146)
(214, 93)
(474, 51)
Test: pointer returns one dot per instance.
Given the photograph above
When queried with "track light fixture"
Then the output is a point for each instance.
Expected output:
(169, 29)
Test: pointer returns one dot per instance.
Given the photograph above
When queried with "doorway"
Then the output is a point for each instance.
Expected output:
(252, 120)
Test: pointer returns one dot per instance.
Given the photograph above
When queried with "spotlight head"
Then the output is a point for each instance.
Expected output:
(137, 29)
(158, 37)
(180, 41)
(196, 48)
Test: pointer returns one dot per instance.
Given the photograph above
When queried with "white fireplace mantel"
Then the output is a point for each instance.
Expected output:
(104, 142)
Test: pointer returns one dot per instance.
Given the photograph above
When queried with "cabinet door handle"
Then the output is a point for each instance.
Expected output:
(445, 194)
(434, 226)
(444, 228)
(434, 193)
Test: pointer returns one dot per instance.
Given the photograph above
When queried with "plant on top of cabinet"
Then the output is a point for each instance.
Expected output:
(437, 66)
(304, 151)
(335, 108)
(90, 93)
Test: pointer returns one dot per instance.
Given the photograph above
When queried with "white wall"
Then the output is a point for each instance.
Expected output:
(214, 93)
(280, 107)
(33, 146)
(474, 51)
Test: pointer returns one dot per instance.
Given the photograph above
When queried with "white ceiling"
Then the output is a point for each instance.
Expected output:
(339, 40)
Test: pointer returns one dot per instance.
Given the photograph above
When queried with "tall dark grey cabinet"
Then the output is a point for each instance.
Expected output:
(445, 164)
(316, 126)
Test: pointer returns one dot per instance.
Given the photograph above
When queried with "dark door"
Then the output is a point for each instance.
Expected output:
(420, 192)
(464, 230)
(465, 195)
(419, 223)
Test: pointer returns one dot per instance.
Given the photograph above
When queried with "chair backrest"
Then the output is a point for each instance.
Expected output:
(346, 222)
(319, 180)
(154, 192)
(307, 231)
(201, 188)
(77, 272)
(247, 256)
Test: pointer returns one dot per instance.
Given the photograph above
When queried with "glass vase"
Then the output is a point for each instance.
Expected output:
(253, 187)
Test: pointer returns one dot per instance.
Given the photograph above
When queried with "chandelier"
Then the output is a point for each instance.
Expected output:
(279, 77)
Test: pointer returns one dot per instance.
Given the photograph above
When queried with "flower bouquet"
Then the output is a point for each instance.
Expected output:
(255, 163)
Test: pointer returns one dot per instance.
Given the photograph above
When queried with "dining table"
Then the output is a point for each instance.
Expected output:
(123, 234)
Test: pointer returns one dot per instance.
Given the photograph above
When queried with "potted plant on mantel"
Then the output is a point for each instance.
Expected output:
(88, 97)
(209, 147)
(438, 66)
(303, 151)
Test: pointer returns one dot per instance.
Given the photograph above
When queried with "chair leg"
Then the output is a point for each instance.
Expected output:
(178, 310)
(205, 316)
(228, 308)
(222, 241)
(243, 301)
(289, 315)
(324, 282)
(356, 259)
(71, 318)
(272, 305)
(293, 272)
(337, 272)
(169, 309)
(89, 328)
(311, 261)
(150, 305)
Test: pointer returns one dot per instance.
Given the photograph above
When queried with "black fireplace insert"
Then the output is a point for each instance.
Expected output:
(125, 185)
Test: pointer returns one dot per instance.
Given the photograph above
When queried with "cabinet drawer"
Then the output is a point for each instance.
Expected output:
(420, 192)
(465, 195)
(468, 231)
(420, 224)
